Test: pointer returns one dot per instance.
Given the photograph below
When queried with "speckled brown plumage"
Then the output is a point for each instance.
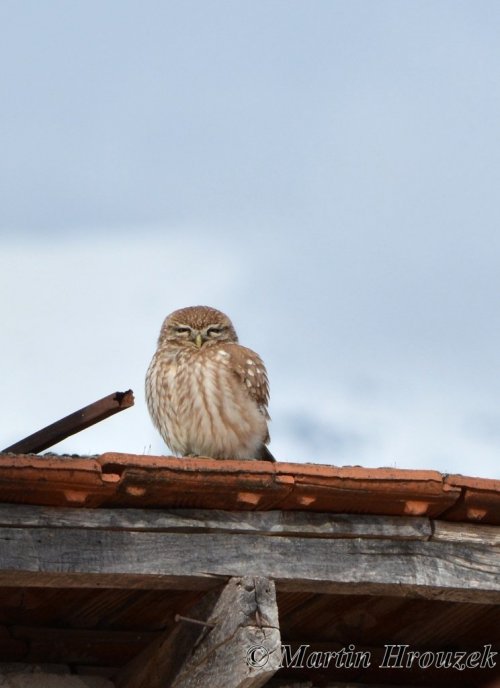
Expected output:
(207, 394)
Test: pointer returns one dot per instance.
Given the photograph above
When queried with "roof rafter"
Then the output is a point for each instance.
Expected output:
(244, 616)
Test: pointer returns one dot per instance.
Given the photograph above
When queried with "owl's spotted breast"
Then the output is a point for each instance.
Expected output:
(206, 394)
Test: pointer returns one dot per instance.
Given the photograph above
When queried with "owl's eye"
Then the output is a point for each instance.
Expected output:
(214, 331)
(182, 330)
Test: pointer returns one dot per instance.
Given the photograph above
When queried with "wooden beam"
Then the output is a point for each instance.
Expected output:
(70, 425)
(244, 617)
(66, 557)
(85, 645)
(49, 677)
(443, 531)
(231, 655)
(165, 655)
(283, 683)
(270, 523)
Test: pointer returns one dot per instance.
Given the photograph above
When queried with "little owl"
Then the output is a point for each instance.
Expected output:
(207, 394)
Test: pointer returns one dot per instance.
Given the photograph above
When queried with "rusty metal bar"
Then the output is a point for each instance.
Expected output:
(75, 422)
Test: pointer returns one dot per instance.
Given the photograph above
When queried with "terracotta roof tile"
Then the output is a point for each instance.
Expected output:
(128, 480)
(479, 500)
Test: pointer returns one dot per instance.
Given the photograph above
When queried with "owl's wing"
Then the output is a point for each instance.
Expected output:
(251, 372)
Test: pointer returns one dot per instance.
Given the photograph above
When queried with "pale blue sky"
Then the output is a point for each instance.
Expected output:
(325, 172)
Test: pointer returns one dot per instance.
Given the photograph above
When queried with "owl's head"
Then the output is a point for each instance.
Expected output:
(196, 326)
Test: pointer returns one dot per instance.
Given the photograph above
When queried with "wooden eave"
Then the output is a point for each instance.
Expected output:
(103, 561)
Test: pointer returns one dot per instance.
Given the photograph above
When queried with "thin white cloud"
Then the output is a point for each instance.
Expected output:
(81, 320)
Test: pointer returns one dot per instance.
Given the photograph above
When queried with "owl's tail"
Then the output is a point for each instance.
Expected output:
(265, 454)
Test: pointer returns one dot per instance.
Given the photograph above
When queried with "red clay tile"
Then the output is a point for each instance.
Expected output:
(127, 480)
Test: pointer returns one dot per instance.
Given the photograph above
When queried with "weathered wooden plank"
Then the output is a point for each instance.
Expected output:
(290, 523)
(244, 615)
(65, 557)
(163, 658)
(444, 531)
(23, 680)
(230, 655)
(117, 581)
(280, 683)
(30, 668)
(283, 683)
(98, 646)
(307, 684)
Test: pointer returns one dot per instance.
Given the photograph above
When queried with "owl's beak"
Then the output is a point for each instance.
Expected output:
(198, 340)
